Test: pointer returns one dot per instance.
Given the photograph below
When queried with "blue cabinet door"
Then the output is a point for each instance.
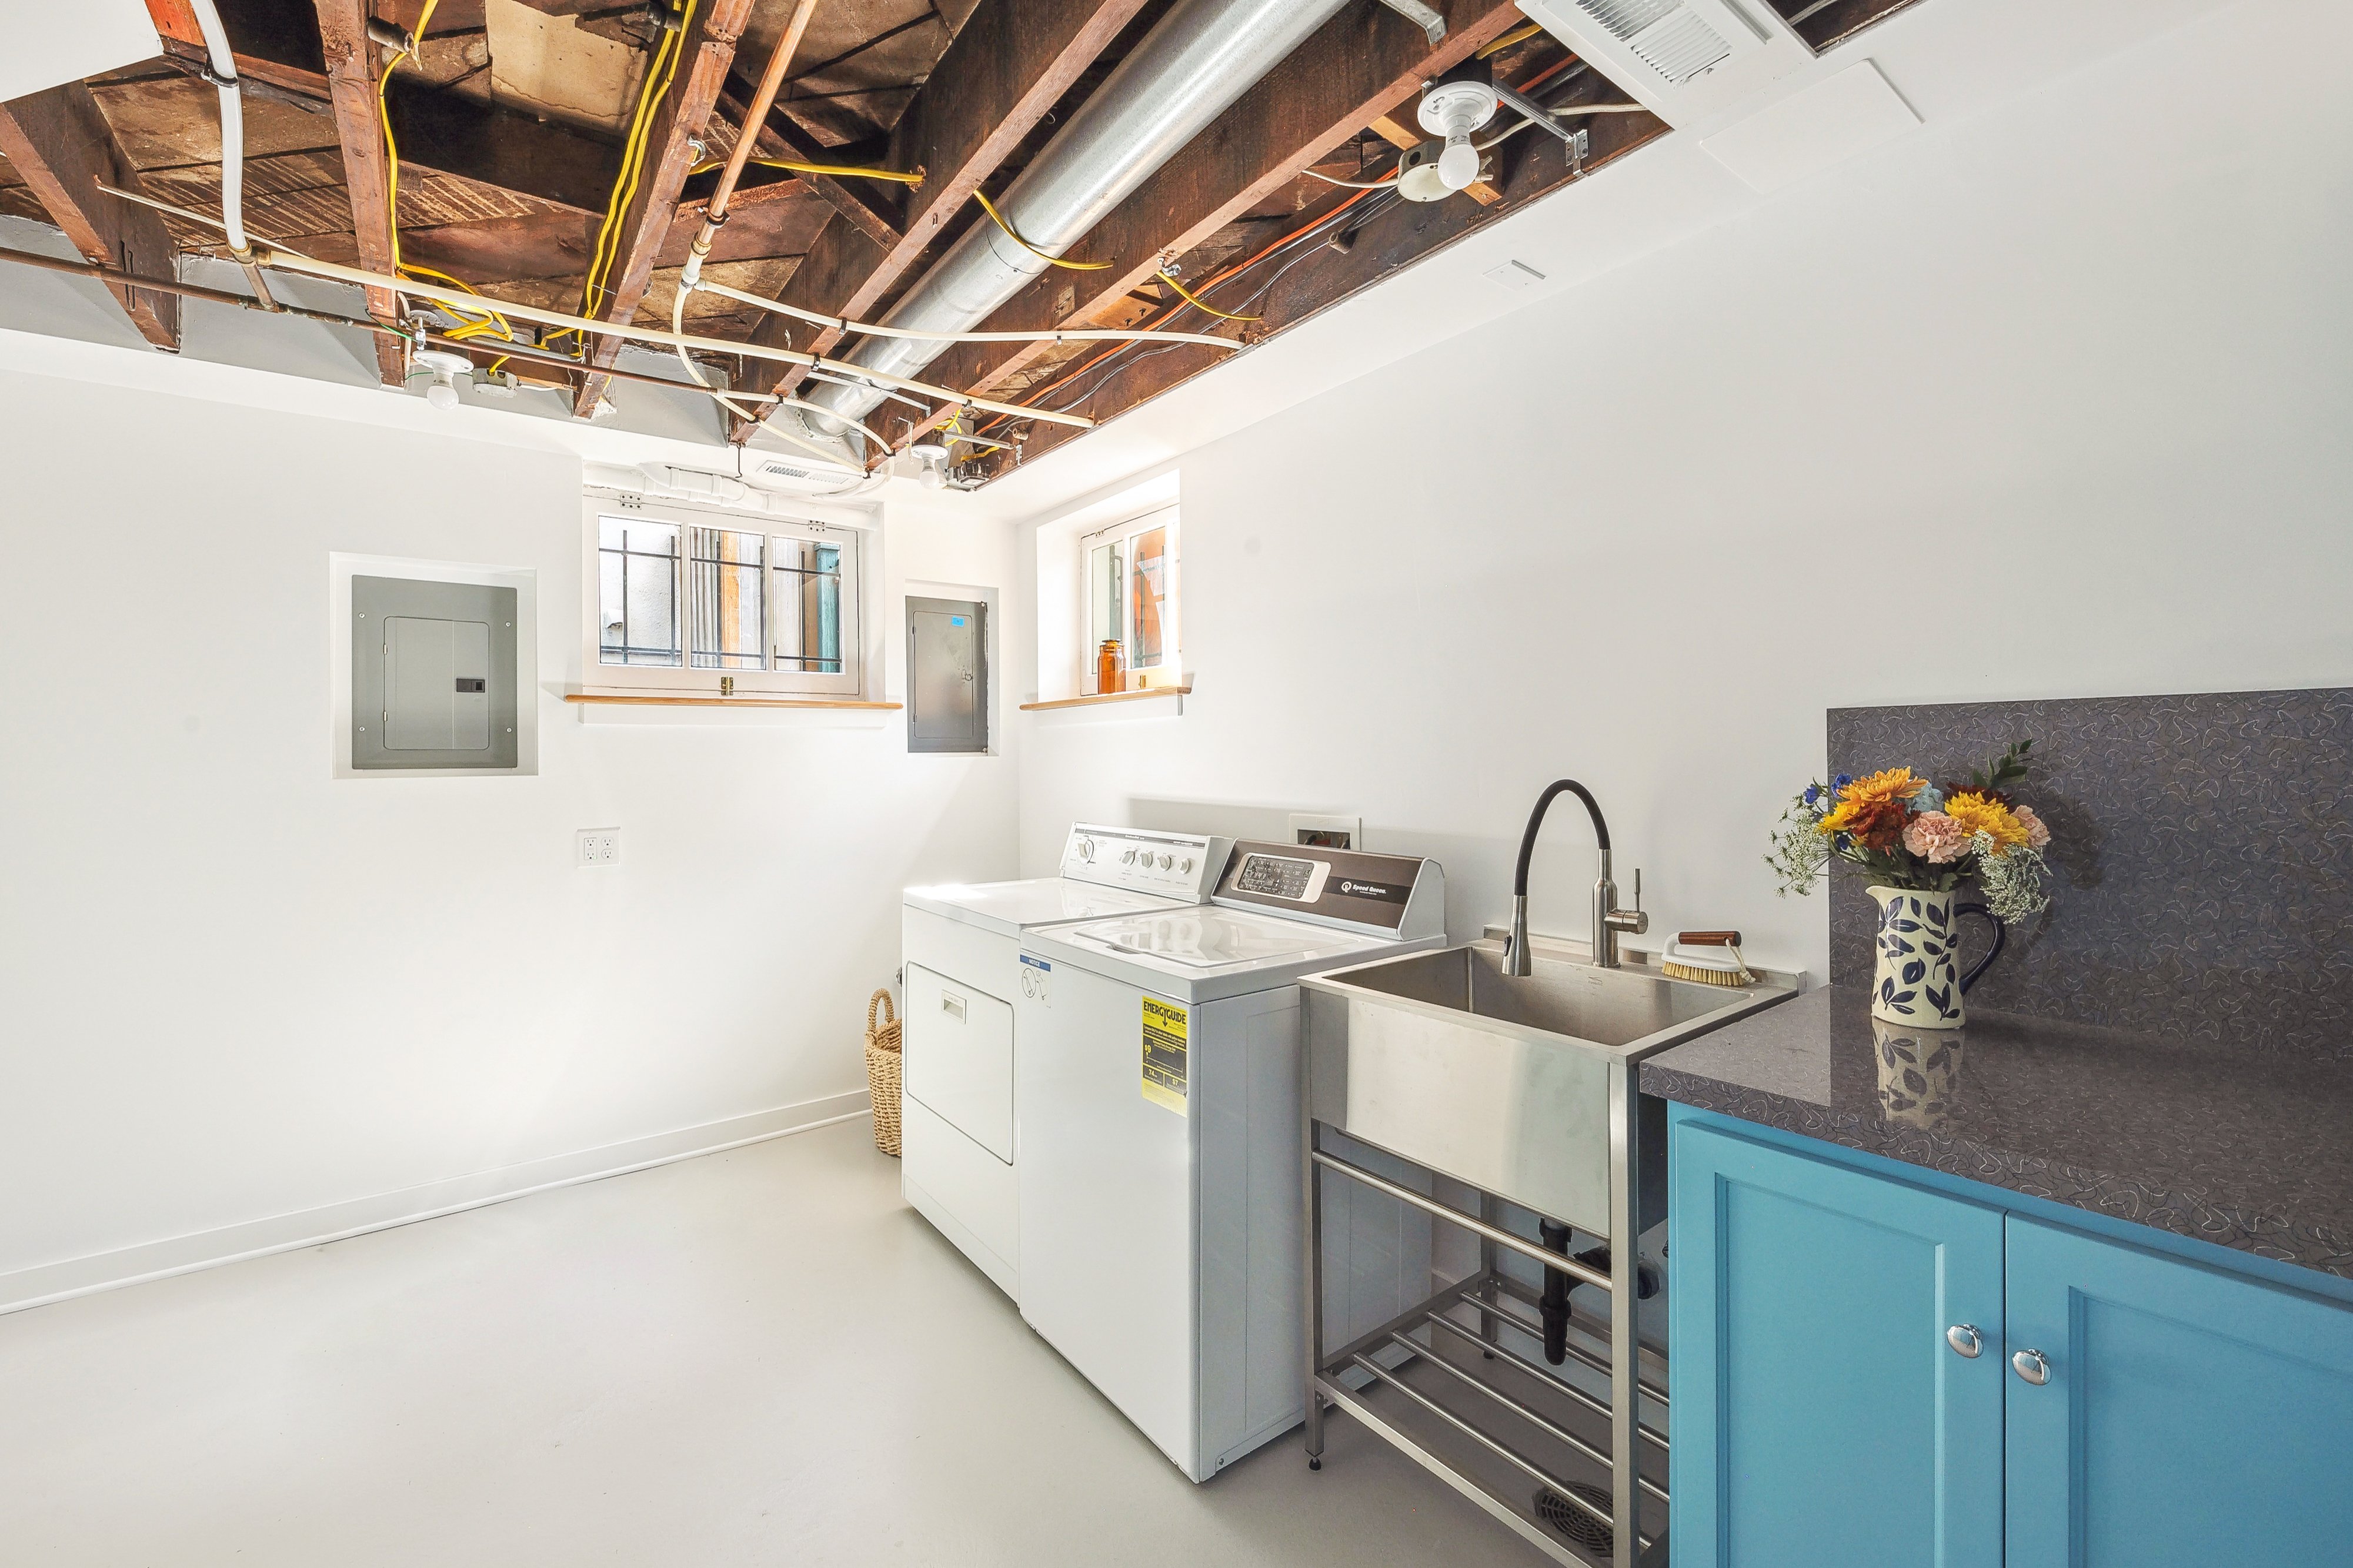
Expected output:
(2188, 1417)
(1820, 1416)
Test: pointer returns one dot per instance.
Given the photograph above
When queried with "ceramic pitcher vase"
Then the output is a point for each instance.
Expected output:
(1919, 982)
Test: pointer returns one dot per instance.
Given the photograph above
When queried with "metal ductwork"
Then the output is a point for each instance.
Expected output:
(1190, 70)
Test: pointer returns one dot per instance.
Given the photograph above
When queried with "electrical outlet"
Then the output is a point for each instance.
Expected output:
(596, 846)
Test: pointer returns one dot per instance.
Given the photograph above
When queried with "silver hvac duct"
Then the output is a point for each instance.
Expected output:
(1203, 56)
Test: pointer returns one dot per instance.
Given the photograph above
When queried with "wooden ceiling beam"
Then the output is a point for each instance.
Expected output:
(705, 55)
(1358, 68)
(352, 71)
(1407, 233)
(780, 138)
(1013, 61)
(62, 148)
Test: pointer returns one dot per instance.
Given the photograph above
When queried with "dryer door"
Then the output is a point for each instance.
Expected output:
(959, 1047)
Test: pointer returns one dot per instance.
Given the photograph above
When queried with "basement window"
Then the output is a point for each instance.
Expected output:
(686, 598)
(1127, 575)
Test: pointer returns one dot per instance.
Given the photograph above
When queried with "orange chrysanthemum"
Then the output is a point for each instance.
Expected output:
(1979, 813)
(1870, 797)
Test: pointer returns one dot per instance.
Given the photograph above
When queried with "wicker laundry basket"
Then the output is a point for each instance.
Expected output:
(883, 1060)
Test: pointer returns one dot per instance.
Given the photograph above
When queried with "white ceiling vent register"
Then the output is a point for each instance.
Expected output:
(1684, 60)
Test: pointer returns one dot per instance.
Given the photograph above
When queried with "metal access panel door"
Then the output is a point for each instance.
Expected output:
(947, 676)
(433, 675)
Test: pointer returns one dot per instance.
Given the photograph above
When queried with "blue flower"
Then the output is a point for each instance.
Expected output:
(1813, 793)
(1841, 781)
(1928, 798)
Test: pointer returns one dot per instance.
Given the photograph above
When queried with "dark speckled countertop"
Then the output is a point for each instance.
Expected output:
(2252, 1150)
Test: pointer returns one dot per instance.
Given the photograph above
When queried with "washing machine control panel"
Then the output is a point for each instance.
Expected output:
(1174, 865)
(1381, 895)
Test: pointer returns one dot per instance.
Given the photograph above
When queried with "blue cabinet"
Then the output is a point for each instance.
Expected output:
(2188, 1417)
(2124, 1408)
(1821, 1417)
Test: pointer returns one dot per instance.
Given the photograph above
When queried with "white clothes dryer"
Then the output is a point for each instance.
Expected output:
(1161, 1235)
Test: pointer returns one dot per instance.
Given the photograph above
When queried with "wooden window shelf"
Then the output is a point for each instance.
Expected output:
(699, 702)
(1109, 696)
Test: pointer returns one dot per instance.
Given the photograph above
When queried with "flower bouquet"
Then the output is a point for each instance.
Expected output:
(1918, 842)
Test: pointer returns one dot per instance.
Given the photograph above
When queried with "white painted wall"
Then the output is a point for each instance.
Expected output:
(2051, 399)
(238, 989)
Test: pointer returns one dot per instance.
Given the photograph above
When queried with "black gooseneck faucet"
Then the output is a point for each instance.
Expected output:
(1609, 920)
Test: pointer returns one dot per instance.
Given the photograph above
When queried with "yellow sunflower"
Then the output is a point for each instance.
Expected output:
(1982, 813)
(1865, 794)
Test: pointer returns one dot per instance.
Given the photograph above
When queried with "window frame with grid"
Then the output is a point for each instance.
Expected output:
(727, 577)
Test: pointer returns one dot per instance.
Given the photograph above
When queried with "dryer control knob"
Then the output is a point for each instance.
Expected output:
(1167, 861)
(1186, 863)
(1086, 849)
(1127, 856)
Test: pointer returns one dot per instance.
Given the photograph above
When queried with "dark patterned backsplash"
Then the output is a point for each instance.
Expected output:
(2202, 852)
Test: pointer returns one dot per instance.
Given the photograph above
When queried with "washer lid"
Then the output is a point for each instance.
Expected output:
(1209, 937)
(1041, 900)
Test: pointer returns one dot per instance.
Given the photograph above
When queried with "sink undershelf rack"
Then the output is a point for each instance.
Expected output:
(1456, 1382)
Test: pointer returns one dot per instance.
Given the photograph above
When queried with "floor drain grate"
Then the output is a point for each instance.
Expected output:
(1583, 1531)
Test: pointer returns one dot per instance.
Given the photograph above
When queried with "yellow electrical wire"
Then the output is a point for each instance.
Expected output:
(837, 170)
(1188, 297)
(625, 186)
(990, 208)
(1525, 31)
(491, 321)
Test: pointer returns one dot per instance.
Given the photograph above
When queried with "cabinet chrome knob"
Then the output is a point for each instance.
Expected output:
(1963, 1337)
(2031, 1366)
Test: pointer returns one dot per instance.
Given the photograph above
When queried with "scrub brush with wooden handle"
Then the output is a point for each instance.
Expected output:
(1724, 967)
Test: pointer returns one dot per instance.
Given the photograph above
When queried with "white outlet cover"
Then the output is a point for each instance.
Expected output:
(596, 846)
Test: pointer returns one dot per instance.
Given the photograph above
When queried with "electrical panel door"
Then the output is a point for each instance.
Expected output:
(433, 675)
(947, 676)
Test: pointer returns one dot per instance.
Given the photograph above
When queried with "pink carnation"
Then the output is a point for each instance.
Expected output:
(1937, 838)
(2037, 834)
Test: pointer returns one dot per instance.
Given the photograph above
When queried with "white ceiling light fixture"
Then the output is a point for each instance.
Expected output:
(931, 449)
(447, 370)
(1454, 108)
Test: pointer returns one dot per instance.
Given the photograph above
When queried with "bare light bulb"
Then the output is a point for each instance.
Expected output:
(441, 395)
(1458, 166)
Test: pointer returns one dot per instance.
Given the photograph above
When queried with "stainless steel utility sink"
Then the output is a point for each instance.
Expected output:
(1521, 1086)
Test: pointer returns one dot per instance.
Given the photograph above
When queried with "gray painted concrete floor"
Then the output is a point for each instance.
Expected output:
(756, 1357)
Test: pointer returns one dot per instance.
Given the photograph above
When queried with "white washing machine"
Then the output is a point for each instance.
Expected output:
(1159, 1079)
(961, 944)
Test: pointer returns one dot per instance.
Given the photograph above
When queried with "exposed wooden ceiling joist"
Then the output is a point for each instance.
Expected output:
(780, 138)
(704, 54)
(1396, 237)
(352, 73)
(62, 148)
(1357, 67)
(989, 91)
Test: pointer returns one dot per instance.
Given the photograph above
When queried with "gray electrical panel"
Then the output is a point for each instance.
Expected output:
(947, 676)
(433, 675)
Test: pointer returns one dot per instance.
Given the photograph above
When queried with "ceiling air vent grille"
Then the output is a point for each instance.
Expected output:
(1665, 34)
(1680, 47)
(776, 471)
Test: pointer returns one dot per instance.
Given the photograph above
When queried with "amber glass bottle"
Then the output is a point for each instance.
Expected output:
(1110, 666)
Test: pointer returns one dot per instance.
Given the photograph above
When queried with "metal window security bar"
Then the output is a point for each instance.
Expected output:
(637, 567)
(730, 620)
(1571, 1456)
(809, 599)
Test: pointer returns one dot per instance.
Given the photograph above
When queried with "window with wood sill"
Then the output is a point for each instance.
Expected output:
(1128, 605)
(690, 601)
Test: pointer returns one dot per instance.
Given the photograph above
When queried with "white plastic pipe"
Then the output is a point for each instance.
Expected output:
(232, 122)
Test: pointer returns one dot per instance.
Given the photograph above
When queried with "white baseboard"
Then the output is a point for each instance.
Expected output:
(46, 1282)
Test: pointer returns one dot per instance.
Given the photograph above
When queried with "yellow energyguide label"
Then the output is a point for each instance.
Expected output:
(1164, 1054)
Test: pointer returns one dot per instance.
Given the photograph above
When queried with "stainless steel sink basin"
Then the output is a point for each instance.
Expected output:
(1508, 1083)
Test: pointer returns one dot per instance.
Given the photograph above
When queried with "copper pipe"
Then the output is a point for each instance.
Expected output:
(755, 115)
